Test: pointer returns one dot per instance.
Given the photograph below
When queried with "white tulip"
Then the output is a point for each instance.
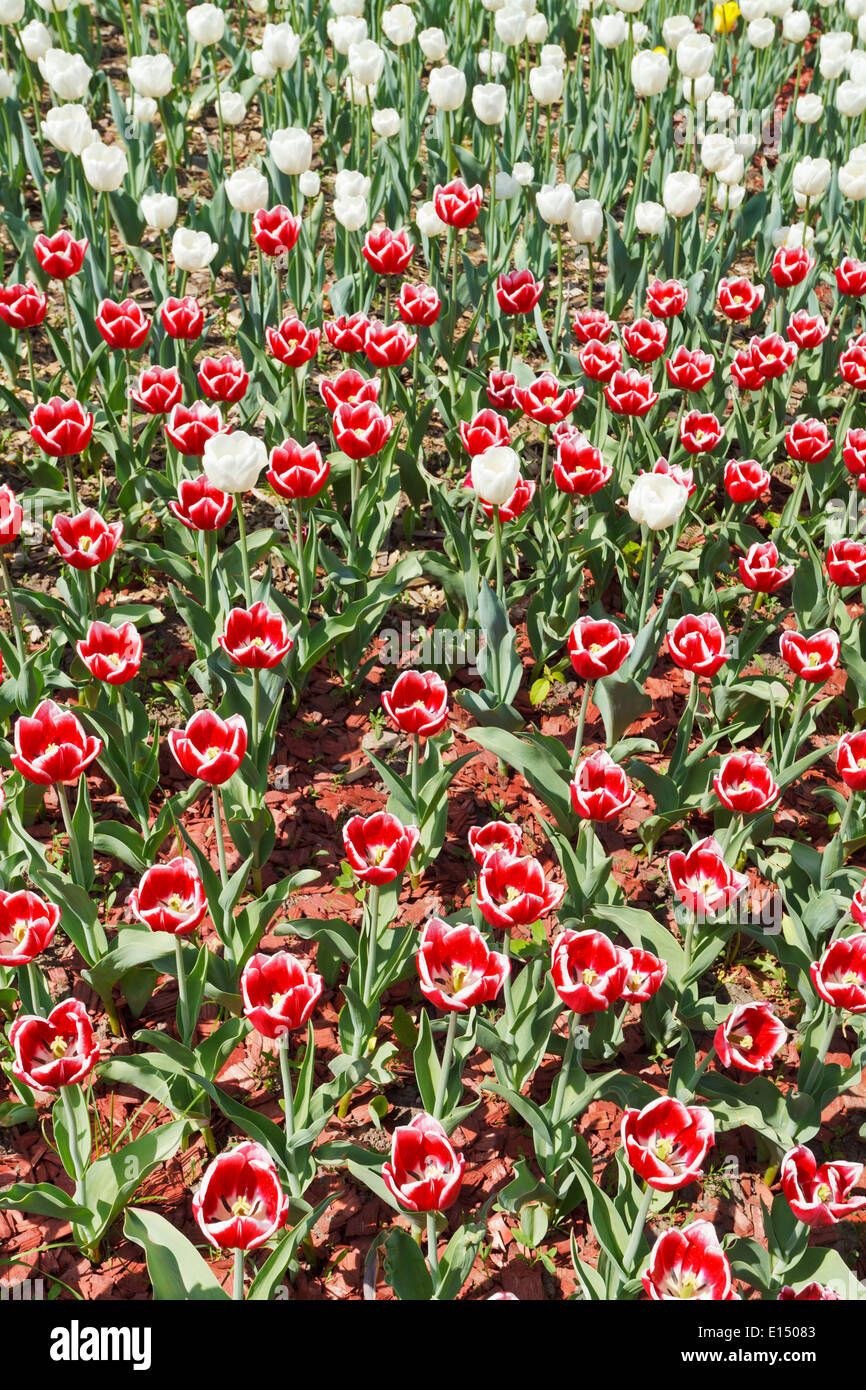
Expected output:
(11, 11)
(796, 26)
(675, 28)
(489, 101)
(523, 173)
(809, 109)
(143, 110)
(398, 25)
(67, 74)
(609, 29)
(105, 166)
(695, 55)
(552, 55)
(835, 41)
(386, 122)
(35, 40)
(716, 152)
(309, 183)
(811, 177)
(510, 24)
(861, 28)
(720, 107)
(206, 24)
(778, 8)
(345, 31)
(447, 88)
(537, 28)
(232, 107)
(586, 222)
(291, 149)
(854, 9)
(857, 66)
(494, 474)
(233, 462)
(752, 9)
(281, 46)
(351, 183)
(492, 64)
(366, 62)
(733, 171)
(546, 84)
(656, 500)
(729, 196)
(650, 73)
(7, 85)
(681, 193)
(351, 213)
(851, 99)
(159, 211)
(555, 204)
(247, 190)
(151, 75)
(192, 250)
(698, 89)
(68, 128)
(341, 7)
(761, 33)
(433, 44)
(852, 180)
(261, 67)
(358, 92)
(649, 218)
(428, 221)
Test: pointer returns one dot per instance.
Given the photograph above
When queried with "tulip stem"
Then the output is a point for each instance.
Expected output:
(700, 1069)
(289, 1105)
(792, 742)
(130, 429)
(13, 614)
(497, 550)
(206, 570)
(303, 583)
(184, 1021)
(74, 855)
(821, 1055)
(560, 288)
(447, 1053)
(73, 355)
(219, 109)
(647, 576)
(581, 723)
(565, 1070)
(124, 728)
(638, 1229)
(678, 229)
(238, 1280)
(843, 832)
(245, 557)
(432, 1247)
(109, 263)
(221, 844)
(372, 939)
(79, 1161)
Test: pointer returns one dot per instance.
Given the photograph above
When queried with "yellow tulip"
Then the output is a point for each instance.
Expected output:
(725, 17)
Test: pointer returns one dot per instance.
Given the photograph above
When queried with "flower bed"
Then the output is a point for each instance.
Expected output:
(433, 682)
